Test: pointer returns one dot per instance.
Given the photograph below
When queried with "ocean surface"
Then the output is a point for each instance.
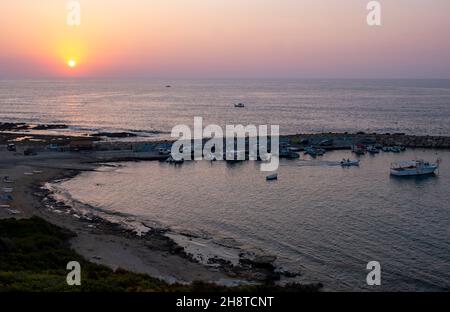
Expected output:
(298, 106)
(319, 219)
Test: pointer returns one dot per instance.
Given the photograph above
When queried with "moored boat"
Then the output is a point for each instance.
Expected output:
(6, 179)
(359, 149)
(314, 151)
(393, 149)
(413, 168)
(286, 153)
(171, 160)
(272, 177)
(373, 150)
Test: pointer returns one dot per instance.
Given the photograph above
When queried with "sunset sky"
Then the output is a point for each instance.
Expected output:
(225, 39)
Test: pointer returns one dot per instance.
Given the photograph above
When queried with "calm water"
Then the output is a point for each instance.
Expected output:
(319, 219)
(412, 106)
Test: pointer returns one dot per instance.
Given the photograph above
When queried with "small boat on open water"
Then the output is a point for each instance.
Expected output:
(349, 163)
(272, 177)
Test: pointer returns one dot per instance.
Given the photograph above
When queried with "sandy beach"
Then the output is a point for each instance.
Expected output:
(97, 240)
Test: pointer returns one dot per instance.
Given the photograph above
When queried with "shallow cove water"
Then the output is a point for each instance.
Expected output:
(319, 219)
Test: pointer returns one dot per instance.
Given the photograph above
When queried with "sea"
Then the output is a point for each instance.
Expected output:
(322, 222)
(151, 108)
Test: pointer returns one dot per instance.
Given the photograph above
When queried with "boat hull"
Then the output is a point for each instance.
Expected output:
(412, 172)
(349, 164)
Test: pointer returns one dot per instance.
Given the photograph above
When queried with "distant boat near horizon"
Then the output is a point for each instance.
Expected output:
(239, 105)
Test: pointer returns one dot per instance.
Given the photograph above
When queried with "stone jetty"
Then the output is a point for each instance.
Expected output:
(346, 140)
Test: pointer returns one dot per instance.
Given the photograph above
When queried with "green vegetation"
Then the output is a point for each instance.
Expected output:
(34, 255)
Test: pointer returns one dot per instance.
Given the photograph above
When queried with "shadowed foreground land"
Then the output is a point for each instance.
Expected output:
(34, 255)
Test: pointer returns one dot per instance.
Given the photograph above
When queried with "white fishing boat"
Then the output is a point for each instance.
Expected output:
(413, 168)
(349, 163)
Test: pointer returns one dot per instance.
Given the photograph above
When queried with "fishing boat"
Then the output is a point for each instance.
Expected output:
(413, 168)
(272, 177)
(349, 163)
(171, 160)
(314, 151)
(358, 149)
(6, 197)
(239, 105)
(320, 151)
(286, 153)
(11, 147)
(164, 151)
(393, 149)
(294, 148)
(6, 179)
(373, 150)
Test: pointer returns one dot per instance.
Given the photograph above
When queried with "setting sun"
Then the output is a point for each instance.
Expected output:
(72, 63)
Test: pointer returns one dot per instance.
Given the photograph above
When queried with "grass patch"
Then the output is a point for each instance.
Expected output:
(34, 255)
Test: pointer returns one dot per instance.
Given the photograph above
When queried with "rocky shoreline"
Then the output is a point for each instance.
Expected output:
(258, 269)
(11, 132)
